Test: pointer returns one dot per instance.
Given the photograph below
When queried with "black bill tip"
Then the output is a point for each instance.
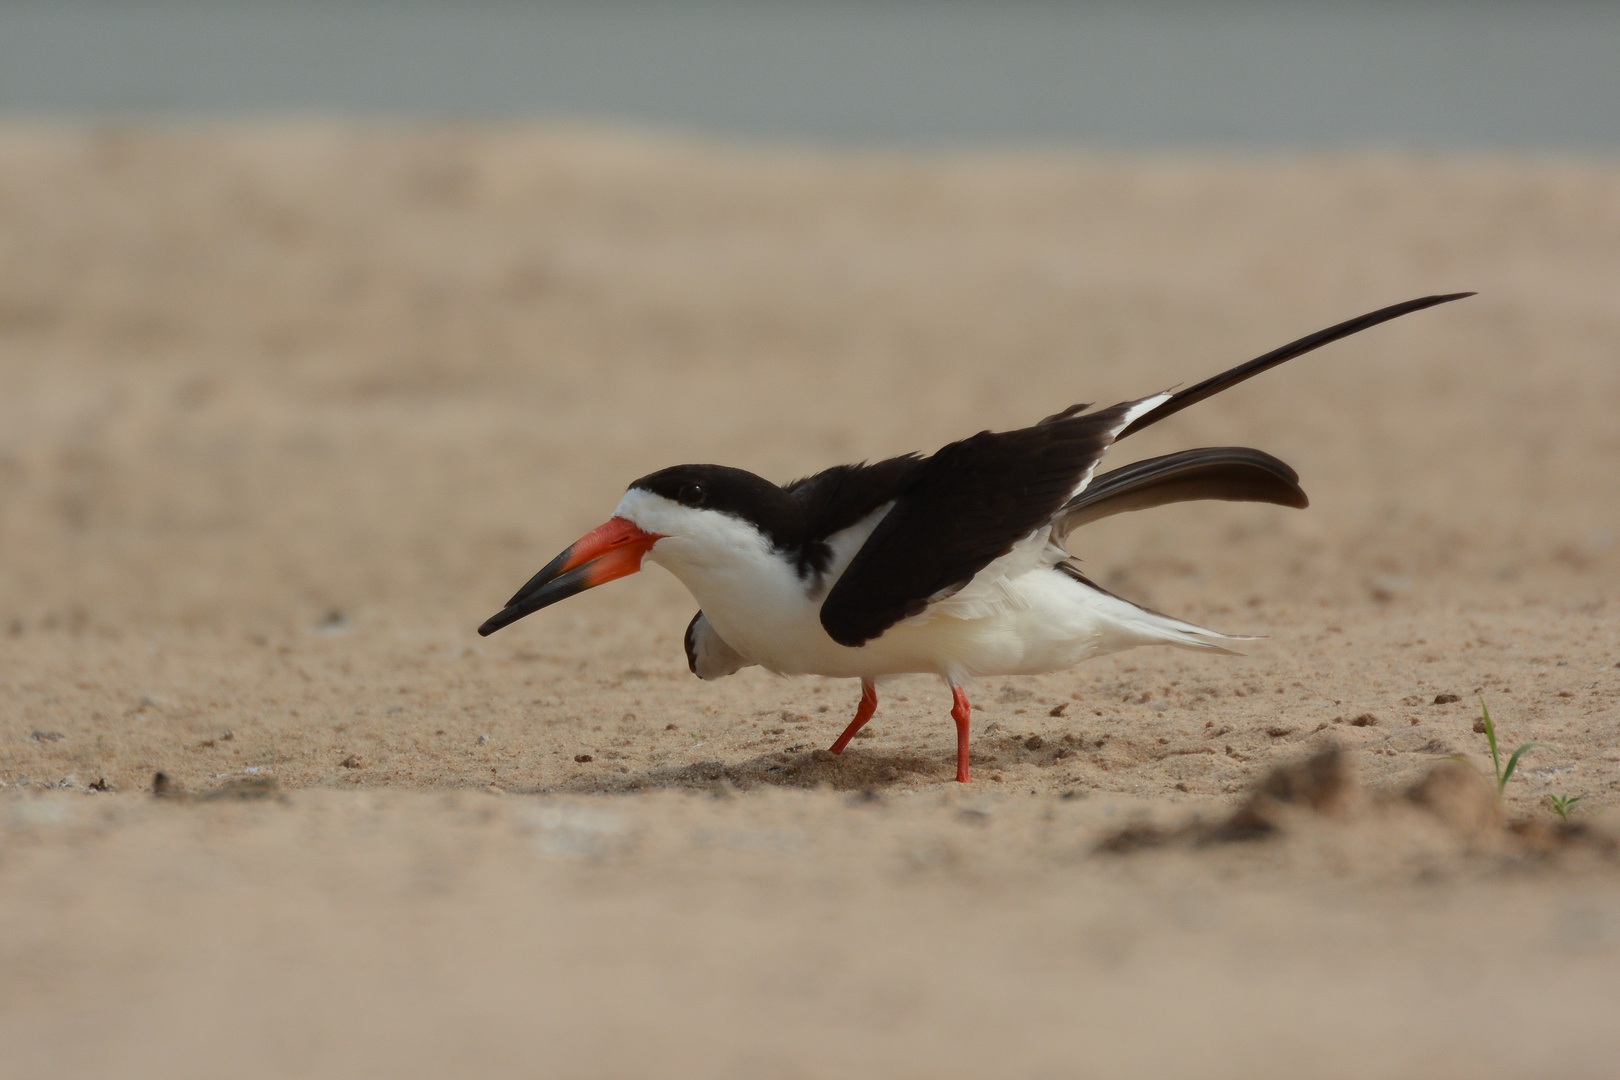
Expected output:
(541, 592)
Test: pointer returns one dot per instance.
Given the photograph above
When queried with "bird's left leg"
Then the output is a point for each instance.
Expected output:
(863, 713)
(961, 712)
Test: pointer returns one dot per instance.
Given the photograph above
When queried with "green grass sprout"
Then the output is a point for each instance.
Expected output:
(1502, 775)
(1563, 804)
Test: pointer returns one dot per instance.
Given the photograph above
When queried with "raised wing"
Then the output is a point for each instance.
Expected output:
(961, 509)
(1192, 395)
(1231, 473)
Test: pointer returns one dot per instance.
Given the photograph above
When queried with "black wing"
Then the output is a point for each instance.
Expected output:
(959, 511)
(1232, 473)
(972, 501)
(1228, 379)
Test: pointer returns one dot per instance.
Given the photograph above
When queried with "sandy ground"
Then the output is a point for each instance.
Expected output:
(285, 413)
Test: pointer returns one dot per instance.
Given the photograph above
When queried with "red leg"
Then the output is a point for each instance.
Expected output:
(863, 713)
(961, 712)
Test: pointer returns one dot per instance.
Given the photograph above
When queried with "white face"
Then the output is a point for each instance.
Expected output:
(696, 542)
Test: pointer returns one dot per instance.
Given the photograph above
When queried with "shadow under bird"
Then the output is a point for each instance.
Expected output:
(951, 564)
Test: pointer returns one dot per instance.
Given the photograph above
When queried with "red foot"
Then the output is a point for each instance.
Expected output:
(863, 713)
(961, 712)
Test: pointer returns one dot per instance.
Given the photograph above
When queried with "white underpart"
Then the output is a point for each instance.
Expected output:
(1020, 615)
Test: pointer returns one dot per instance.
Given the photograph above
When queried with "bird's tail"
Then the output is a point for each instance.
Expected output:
(1132, 624)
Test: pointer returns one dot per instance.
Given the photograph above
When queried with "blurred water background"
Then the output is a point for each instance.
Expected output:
(1472, 75)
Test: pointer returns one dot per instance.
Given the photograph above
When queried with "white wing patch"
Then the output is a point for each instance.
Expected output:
(1147, 404)
(845, 544)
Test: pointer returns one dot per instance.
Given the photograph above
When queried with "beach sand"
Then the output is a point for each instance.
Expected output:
(285, 412)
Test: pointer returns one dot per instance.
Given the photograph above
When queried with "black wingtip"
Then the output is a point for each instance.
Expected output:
(1226, 379)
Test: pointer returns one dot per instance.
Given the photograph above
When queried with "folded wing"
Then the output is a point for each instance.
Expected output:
(707, 654)
(963, 508)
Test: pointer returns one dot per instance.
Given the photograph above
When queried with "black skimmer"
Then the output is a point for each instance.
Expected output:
(951, 564)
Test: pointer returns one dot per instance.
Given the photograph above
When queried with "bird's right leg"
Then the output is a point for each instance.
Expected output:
(962, 713)
(863, 713)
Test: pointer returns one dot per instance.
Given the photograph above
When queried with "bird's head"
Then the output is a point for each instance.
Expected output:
(692, 519)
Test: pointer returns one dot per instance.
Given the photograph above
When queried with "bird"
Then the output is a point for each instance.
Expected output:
(951, 564)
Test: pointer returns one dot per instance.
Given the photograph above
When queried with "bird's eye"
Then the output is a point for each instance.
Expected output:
(693, 495)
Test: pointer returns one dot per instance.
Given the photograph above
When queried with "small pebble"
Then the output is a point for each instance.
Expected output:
(353, 761)
(482, 739)
(1445, 699)
(1034, 742)
(1366, 719)
(583, 758)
